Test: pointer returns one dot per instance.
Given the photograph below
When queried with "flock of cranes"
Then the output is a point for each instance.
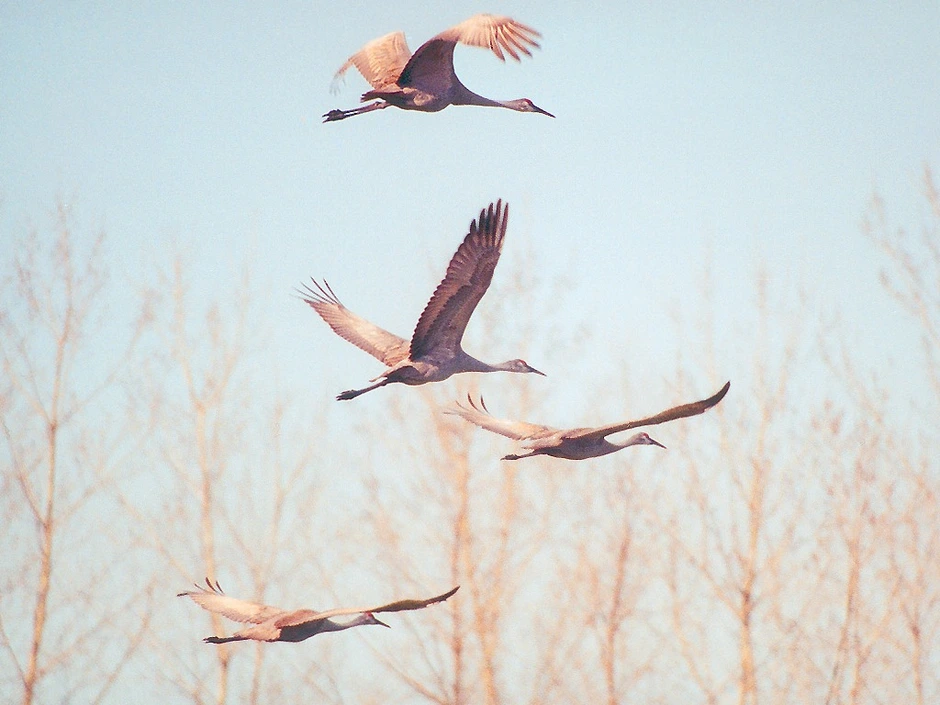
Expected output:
(426, 81)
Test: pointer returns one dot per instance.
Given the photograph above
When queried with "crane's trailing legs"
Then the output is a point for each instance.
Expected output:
(337, 114)
(223, 639)
(353, 393)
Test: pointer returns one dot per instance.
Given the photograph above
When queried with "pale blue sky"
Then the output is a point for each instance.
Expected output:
(756, 130)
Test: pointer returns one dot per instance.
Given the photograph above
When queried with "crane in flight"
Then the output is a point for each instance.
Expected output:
(577, 443)
(435, 352)
(275, 624)
(426, 80)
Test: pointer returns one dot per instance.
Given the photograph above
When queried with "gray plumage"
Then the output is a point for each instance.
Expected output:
(434, 352)
(275, 624)
(426, 80)
(577, 443)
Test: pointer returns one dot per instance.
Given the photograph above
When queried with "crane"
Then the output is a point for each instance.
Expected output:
(577, 443)
(275, 624)
(434, 353)
(426, 80)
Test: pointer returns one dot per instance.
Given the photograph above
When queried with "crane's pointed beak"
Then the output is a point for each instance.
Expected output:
(379, 621)
(654, 442)
(544, 112)
(532, 369)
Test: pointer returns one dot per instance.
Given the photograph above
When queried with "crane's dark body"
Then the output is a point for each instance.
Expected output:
(292, 633)
(567, 446)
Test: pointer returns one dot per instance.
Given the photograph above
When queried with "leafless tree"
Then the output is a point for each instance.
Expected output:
(237, 502)
(902, 478)
(615, 642)
(66, 433)
(912, 269)
(800, 555)
(882, 486)
(737, 527)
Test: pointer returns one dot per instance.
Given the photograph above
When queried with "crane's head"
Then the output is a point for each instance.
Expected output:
(642, 439)
(369, 618)
(524, 105)
(521, 366)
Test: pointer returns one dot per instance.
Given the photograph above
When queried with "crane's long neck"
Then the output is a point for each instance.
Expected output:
(330, 625)
(471, 364)
(637, 439)
(464, 96)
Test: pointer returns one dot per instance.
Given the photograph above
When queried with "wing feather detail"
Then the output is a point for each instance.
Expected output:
(478, 415)
(380, 62)
(444, 319)
(212, 598)
(676, 412)
(501, 35)
(397, 606)
(378, 342)
(432, 66)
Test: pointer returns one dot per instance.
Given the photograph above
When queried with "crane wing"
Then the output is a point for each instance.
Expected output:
(444, 319)
(676, 412)
(378, 342)
(432, 65)
(380, 62)
(305, 616)
(517, 430)
(298, 617)
(214, 600)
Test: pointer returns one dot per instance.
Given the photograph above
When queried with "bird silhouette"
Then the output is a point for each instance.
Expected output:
(426, 80)
(275, 624)
(577, 443)
(435, 351)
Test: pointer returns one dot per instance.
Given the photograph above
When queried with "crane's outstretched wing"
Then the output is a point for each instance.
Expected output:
(378, 342)
(497, 33)
(380, 62)
(517, 430)
(432, 65)
(212, 598)
(305, 616)
(677, 412)
(468, 276)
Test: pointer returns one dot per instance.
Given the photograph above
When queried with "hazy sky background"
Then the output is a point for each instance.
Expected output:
(757, 133)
